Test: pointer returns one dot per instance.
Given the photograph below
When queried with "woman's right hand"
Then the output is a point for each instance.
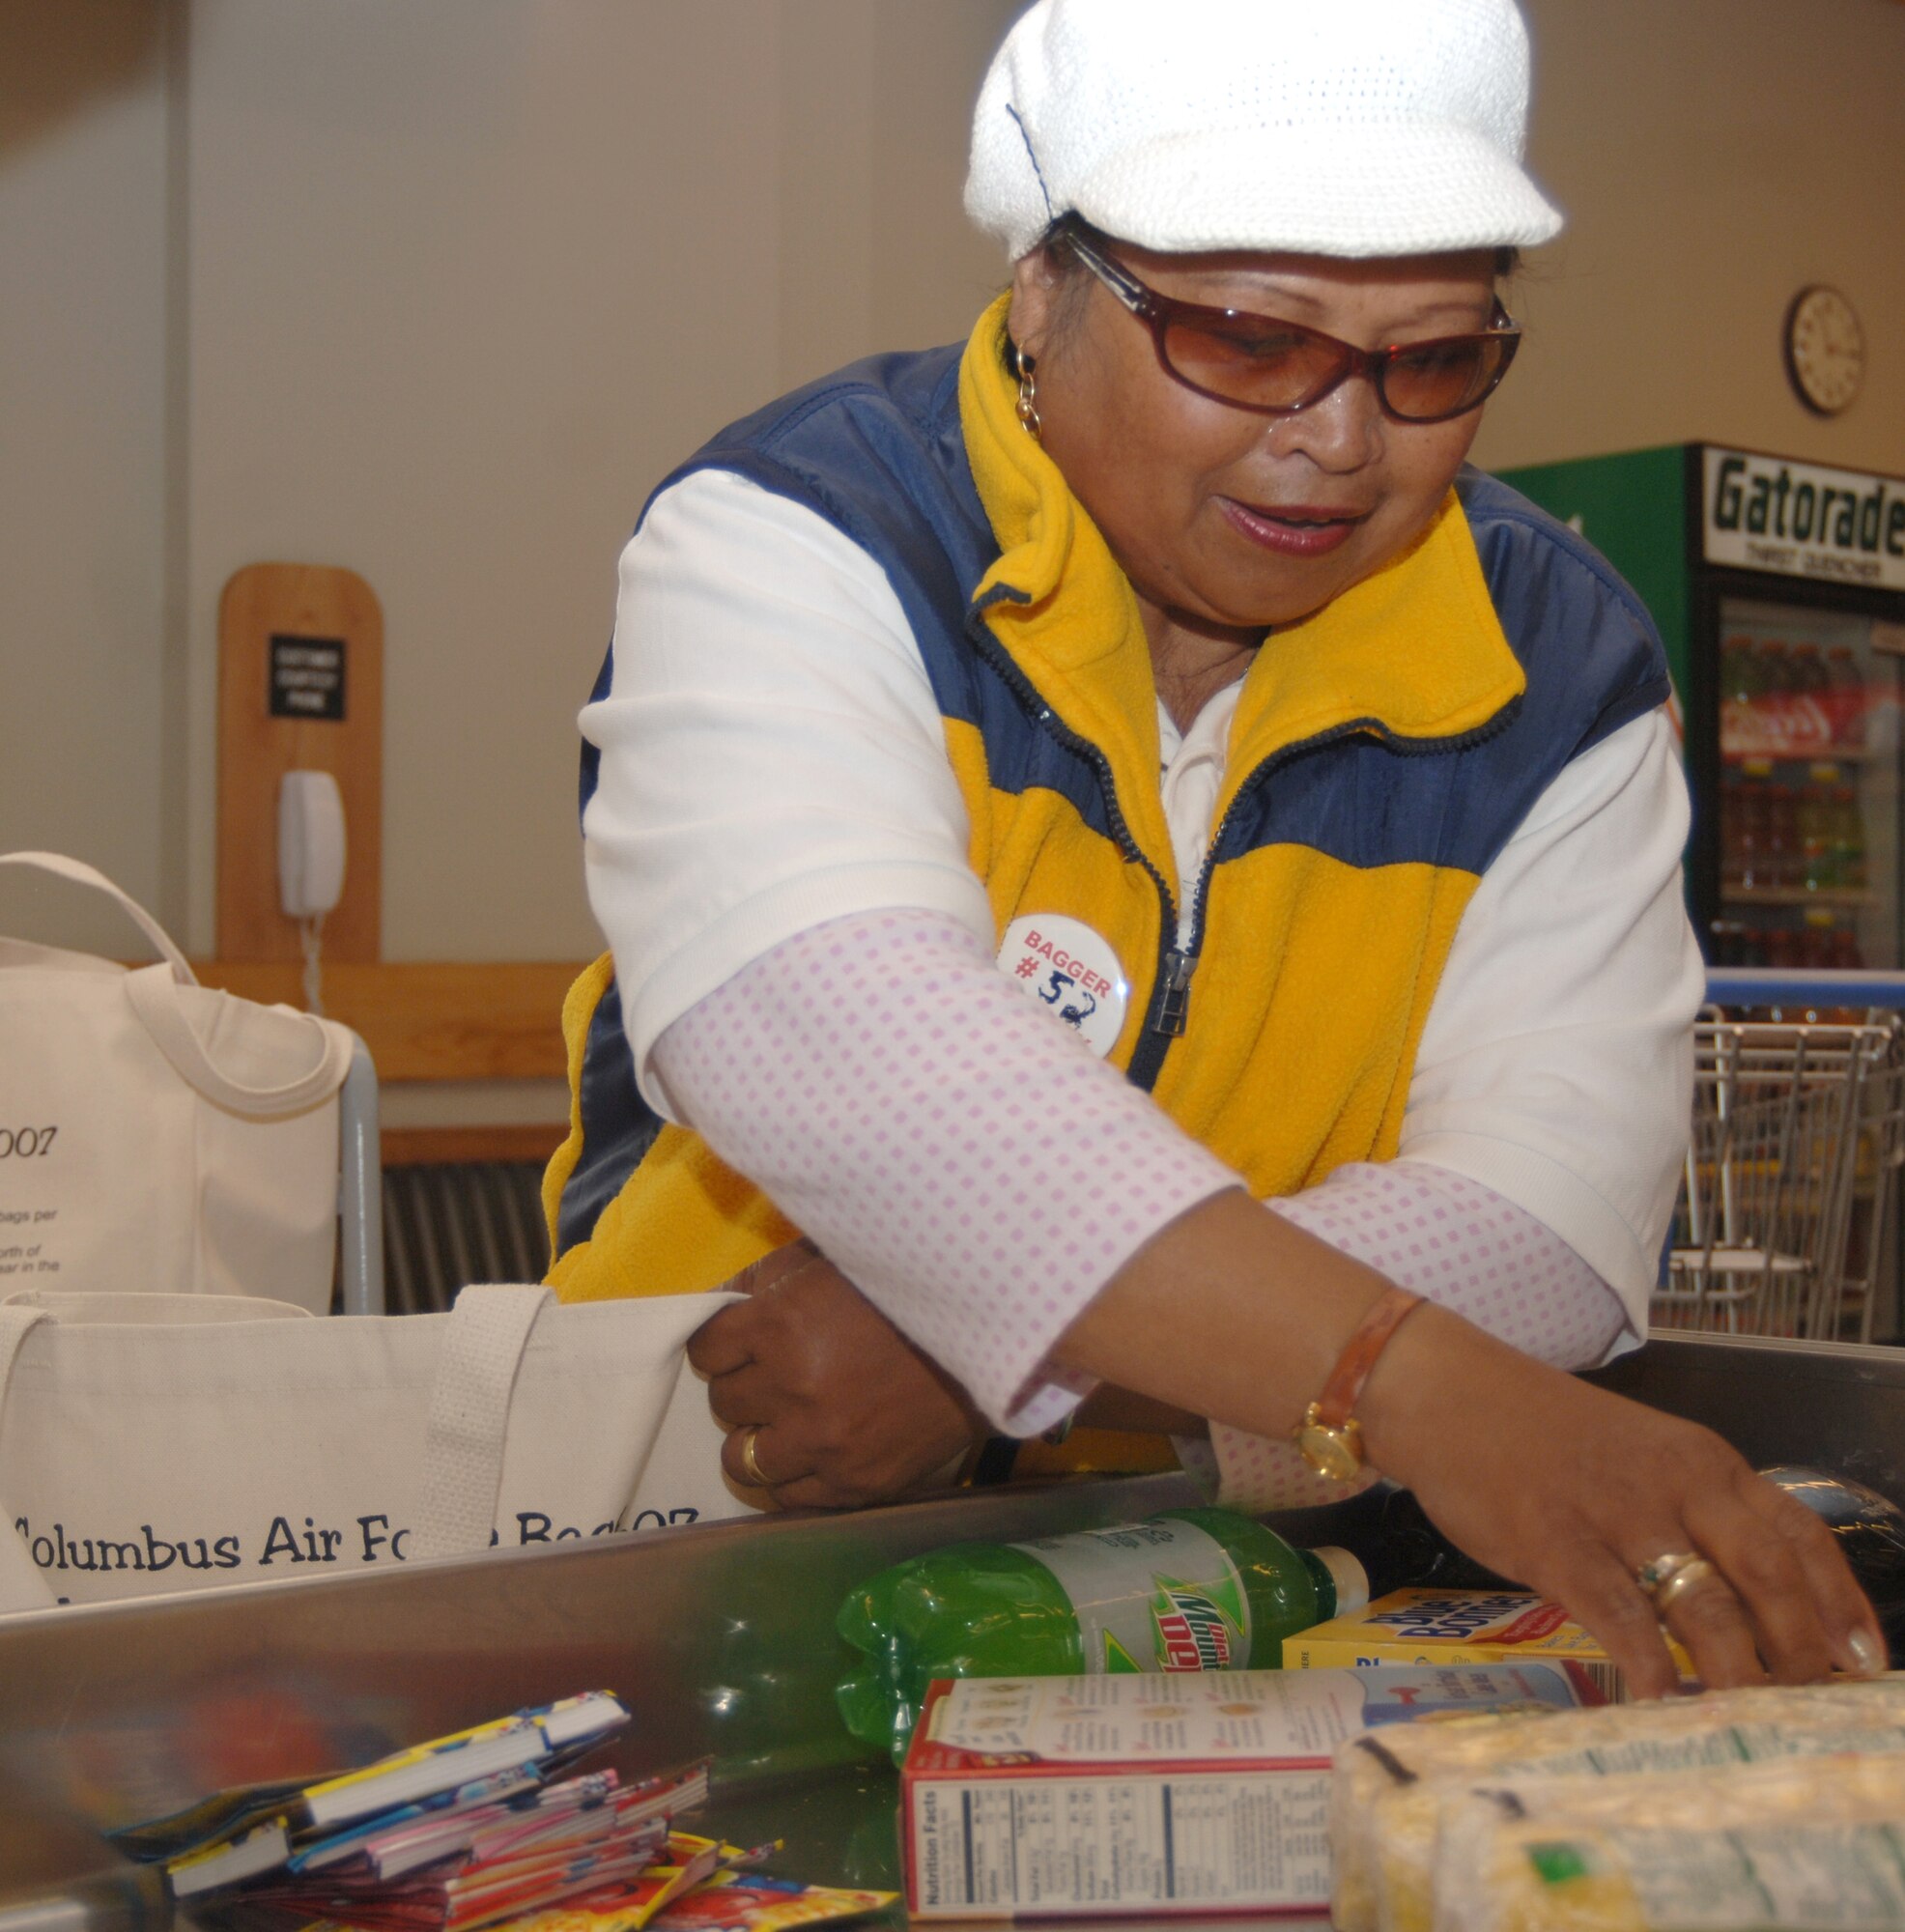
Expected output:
(837, 1407)
(1546, 1478)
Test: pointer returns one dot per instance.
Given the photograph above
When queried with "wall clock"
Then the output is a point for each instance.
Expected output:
(1825, 350)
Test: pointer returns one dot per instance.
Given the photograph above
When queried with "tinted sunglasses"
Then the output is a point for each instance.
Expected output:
(1276, 368)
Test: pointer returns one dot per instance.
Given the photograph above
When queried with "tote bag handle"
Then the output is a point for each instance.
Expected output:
(489, 1329)
(21, 1585)
(151, 992)
(153, 999)
(77, 873)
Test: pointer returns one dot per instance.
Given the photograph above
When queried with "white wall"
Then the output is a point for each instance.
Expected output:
(466, 277)
(83, 684)
(1713, 156)
(438, 290)
(441, 290)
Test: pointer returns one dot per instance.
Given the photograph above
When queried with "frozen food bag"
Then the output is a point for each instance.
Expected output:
(1791, 1846)
(1388, 1789)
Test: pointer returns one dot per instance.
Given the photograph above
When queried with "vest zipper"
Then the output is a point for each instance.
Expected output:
(1026, 693)
(1169, 1013)
(1174, 994)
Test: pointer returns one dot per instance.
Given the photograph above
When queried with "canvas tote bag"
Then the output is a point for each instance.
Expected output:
(156, 1135)
(152, 1444)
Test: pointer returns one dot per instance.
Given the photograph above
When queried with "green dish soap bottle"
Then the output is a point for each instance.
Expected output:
(1191, 1589)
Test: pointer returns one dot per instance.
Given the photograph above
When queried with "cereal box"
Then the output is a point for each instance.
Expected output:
(1160, 1793)
(1459, 1627)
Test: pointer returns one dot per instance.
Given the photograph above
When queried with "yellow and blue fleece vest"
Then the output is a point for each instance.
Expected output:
(1383, 751)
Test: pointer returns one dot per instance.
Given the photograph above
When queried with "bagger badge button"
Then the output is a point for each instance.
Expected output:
(1072, 972)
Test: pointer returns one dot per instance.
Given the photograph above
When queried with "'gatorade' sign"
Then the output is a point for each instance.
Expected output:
(1801, 519)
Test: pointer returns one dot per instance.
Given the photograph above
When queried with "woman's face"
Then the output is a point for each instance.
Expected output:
(1219, 516)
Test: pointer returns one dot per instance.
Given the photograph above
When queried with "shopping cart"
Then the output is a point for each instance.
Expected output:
(1792, 1171)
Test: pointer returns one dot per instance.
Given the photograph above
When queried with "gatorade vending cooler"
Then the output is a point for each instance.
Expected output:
(1779, 587)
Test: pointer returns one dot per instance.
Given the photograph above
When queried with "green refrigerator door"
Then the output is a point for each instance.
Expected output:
(1631, 507)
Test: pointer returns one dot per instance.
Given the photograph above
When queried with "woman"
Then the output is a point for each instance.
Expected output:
(1155, 657)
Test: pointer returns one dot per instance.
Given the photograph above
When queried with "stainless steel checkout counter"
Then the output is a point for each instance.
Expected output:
(718, 1636)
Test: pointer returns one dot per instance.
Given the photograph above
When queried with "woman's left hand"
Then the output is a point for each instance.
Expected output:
(826, 1404)
(1575, 1490)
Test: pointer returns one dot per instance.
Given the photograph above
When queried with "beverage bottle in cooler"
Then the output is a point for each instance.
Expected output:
(1739, 693)
(1191, 1589)
(1780, 838)
(1848, 837)
(1812, 822)
(1846, 698)
(1751, 838)
(1772, 700)
(1810, 697)
(1845, 954)
(1735, 834)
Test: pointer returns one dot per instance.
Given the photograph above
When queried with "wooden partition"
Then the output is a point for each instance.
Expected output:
(300, 688)
(450, 1020)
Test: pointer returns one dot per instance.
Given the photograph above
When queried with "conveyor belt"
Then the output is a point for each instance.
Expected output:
(721, 1636)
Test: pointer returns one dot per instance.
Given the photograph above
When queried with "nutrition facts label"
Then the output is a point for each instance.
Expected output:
(1053, 1844)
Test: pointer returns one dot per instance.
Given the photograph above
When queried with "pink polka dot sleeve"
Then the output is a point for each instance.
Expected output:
(962, 1159)
(981, 1176)
(1457, 1242)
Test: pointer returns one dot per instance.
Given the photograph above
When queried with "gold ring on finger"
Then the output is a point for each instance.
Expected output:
(751, 1473)
(1689, 1576)
(1657, 1573)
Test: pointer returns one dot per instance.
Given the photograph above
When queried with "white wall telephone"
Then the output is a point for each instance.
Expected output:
(310, 844)
(310, 865)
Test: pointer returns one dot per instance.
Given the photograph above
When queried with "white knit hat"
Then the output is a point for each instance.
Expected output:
(1329, 126)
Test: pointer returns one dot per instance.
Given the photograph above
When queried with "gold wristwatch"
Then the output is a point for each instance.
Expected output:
(1329, 1436)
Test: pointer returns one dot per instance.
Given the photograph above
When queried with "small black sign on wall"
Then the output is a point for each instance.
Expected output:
(308, 677)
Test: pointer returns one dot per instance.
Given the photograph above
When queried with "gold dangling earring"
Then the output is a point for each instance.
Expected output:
(1028, 395)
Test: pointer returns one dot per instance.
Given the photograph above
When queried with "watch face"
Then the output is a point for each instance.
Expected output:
(1825, 350)
(1332, 1452)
